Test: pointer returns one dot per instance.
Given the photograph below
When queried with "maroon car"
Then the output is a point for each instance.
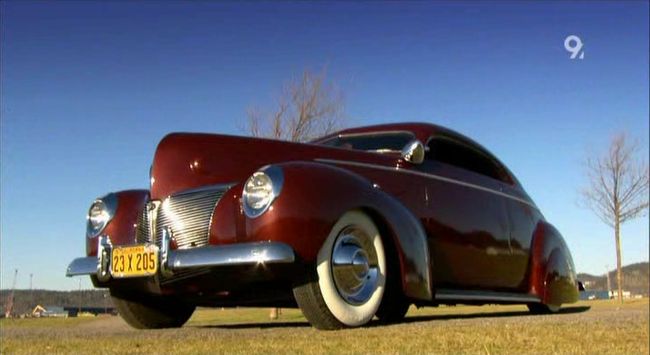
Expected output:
(357, 224)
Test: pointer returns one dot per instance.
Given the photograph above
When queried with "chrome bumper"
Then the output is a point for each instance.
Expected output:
(181, 259)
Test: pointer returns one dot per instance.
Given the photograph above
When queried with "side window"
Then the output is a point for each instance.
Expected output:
(452, 152)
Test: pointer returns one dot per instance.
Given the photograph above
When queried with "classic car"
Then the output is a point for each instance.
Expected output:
(358, 224)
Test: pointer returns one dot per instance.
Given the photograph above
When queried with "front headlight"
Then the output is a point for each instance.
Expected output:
(261, 189)
(100, 213)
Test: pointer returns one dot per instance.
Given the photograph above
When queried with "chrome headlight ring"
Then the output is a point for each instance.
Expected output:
(100, 213)
(261, 189)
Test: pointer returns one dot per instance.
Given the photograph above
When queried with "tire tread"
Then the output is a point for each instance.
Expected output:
(313, 307)
(155, 314)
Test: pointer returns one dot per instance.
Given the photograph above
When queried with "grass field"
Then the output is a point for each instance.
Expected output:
(590, 327)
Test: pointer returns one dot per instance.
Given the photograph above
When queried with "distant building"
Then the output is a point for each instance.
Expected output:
(614, 294)
(594, 295)
(602, 295)
(49, 311)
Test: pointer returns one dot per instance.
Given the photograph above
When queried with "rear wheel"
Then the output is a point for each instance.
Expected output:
(541, 308)
(154, 313)
(351, 276)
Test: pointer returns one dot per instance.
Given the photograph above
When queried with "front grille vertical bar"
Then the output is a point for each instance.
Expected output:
(143, 230)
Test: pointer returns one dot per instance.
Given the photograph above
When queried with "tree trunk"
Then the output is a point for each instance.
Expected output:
(274, 313)
(619, 272)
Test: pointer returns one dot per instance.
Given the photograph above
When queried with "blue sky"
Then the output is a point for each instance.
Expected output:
(89, 88)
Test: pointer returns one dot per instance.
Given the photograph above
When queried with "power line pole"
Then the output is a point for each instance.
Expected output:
(10, 300)
(31, 291)
(609, 284)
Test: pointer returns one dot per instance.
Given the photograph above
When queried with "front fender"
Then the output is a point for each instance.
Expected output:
(121, 229)
(314, 196)
(553, 277)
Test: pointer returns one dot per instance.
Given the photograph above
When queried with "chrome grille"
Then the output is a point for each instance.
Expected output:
(188, 215)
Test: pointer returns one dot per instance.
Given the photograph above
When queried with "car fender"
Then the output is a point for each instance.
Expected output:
(313, 197)
(121, 228)
(553, 277)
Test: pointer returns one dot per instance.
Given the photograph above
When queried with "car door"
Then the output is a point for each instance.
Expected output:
(466, 219)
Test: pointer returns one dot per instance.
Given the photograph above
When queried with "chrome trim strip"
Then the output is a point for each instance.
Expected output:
(374, 133)
(233, 254)
(488, 296)
(82, 266)
(206, 188)
(431, 176)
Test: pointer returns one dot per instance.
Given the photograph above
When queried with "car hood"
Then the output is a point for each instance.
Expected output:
(190, 160)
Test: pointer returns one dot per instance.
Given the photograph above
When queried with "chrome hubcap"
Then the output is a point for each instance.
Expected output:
(354, 266)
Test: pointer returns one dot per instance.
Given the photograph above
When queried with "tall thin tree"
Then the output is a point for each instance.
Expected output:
(618, 190)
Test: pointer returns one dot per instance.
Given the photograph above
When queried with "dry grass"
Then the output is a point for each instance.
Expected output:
(585, 328)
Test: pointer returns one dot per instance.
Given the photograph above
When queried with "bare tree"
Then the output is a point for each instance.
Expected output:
(617, 190)
(309, 106)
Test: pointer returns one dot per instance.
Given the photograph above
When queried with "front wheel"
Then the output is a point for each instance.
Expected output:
(541, 308)
(351, 276)
(153, 313)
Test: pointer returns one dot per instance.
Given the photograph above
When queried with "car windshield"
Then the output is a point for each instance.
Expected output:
(374, 142)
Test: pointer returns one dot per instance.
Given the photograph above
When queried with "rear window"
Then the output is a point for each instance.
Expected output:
(375, 142)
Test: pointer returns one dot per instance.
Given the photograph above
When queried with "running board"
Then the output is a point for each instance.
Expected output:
(484, 296)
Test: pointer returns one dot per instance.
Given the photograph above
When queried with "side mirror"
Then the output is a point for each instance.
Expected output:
(413, 152)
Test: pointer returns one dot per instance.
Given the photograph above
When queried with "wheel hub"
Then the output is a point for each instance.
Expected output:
(354, 266)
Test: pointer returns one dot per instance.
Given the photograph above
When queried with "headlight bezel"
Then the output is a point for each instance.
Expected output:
(275, 179)
(97, 221)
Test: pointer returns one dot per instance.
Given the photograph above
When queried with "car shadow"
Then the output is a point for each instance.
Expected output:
(431, 317)
(407, 320)
(265, 325)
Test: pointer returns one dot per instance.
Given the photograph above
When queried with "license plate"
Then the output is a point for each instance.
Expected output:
(134, 261)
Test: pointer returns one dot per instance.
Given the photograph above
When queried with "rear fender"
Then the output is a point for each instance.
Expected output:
(553, 277)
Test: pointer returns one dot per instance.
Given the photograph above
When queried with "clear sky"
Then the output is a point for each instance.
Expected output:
(89, 88)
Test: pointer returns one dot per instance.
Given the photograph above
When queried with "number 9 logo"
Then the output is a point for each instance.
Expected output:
(573, 44)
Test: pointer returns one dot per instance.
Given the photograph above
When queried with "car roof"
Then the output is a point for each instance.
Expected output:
(421, 130)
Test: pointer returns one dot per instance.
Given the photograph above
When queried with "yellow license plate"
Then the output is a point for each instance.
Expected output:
(134, 261)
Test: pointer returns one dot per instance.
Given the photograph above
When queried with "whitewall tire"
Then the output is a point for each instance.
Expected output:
(351, 275)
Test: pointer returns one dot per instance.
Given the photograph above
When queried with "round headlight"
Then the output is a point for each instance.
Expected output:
(100, 213)
(261, 189)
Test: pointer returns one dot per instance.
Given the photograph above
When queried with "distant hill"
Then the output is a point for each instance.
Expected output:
(635, 279)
